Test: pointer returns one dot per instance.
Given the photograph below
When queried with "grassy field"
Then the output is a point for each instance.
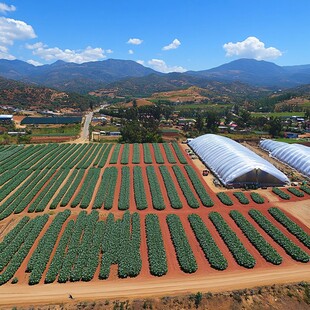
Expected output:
(278, 114)
(68, 130)
(204, 106)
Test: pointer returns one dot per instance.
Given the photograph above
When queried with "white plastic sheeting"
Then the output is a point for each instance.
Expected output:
(295, 155)
(234, 164)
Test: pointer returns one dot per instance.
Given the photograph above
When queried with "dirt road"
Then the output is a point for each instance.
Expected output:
(130, 288)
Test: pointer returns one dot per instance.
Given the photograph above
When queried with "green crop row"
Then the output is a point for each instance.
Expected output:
(242, 198)
(105, 156)
(263, 247)
(158, 155)
(32, 234)
(147, 154)
(57, 261)
(100, 153)
(155, 246)
(169, 154)
(73, 247)
(182, 247)
(7, 240)
(291, 226)
(237, 249)
(82, 256)
(170, 188)
(212, 252)
(125, 154)
(124, 195)
(257, 198)
(72, 188)
(296, 192)
(40, 257)
(114, 156)
(179, 153)
(64, 188)
(224, 198)
(136, 154)
(157, 197)
(280, 193)
(290, 248)
(139, 188)
(305, 189)
(198, 186)
(187, 192)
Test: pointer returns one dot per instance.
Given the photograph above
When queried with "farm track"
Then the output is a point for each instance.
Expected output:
(175, 281)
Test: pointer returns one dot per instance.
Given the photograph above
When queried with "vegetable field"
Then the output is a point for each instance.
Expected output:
(104, 212)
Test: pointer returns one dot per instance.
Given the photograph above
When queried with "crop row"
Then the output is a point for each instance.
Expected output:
(85, 194)
(179, 153)
(187, 192)
(290, 248)
(147, 154)
(64, 188)
(158, 155)
(155, 246)
(207, 243)
(39, 204)
(237, 249)
(124, 195)
(72, 187)
(157, 197)
(241, 197)
(263, 247)
(257, 198)
(29, 236)
(305, 189)
(169, 154)
(296, 192)
(115, 153)
(198, 186)
(40, 257)
(136, 154)
(139, 188)
(280, 193)
(170, 187)
(100, 153)
(125, 154)
(182, 247)
(291, 226)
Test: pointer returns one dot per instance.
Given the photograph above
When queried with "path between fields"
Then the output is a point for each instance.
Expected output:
(133, 288)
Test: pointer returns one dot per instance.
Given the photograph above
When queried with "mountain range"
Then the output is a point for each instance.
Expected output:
(132, 78)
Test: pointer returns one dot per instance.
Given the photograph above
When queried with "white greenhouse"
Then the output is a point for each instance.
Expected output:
(295, 155)
(234, 164)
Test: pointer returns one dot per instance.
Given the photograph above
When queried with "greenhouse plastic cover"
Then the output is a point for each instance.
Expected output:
(234, 164)
(295, 155)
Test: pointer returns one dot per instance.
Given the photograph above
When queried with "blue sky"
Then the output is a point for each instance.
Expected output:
(165, 35)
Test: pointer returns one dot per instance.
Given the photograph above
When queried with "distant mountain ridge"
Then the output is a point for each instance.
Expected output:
(91, 76)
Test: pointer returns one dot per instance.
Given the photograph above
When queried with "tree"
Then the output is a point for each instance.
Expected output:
(275, 126)
(212, 121)
(199, 123)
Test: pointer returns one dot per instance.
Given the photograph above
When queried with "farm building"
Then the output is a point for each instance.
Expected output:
(295, 155)
(234, 164)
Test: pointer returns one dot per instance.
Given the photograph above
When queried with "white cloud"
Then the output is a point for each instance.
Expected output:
(141, 62)
(161, 66)
(173, 45)
(6, 8)
(10, 31)
(130, 52)
(77, 56)
(251, 47)
(134, 41)
(4, 53)
(34, 62)
(108, 51)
